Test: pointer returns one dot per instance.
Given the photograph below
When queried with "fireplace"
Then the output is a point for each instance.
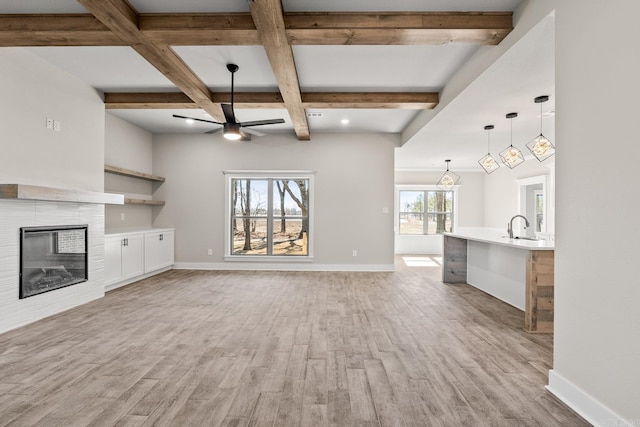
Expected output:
(52, 258)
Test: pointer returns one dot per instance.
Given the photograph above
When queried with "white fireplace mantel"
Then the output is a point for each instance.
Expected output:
(34, 192)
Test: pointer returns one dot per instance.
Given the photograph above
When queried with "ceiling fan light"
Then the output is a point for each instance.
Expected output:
(232, 131)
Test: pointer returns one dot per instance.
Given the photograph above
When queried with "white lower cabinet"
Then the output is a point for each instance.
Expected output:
(132, 256)
(158, 250)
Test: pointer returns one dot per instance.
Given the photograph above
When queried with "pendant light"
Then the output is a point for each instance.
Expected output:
(511, 156)
(448, 179)
(488, 163)
(540, 146)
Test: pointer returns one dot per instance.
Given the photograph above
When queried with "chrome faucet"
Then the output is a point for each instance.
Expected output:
(510, 225)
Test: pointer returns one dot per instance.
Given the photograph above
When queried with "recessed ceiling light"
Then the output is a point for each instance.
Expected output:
(344, 121)
(189, 121)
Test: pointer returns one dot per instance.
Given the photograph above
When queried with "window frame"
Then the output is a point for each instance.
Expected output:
(425, 189)
(267, 175)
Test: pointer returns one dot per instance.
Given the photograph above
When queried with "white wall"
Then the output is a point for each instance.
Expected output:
(597, 333)
(469, 201)
(72, 158)
(353, 183)
(501, 193)
(33, 90)
(127, 146)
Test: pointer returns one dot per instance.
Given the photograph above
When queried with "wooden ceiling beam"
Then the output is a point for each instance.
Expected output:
(273, 100)
(55, 30)
(238, 29)
(218, 29)
(127, 100)
(397, 28)
(119, 17)
(268, 18)
(399, 100)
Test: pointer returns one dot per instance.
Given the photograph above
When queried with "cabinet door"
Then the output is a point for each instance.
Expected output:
(158, 250)
(167, 251)
(132, 256)
(112, 259)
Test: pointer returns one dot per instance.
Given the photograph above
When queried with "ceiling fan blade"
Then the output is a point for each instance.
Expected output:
(245, 135)
(262, 122)
(252, 131)
(212, 131)
(229, 115)
(198, 120)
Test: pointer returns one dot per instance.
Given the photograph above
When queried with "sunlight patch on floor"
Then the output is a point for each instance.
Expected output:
(421, 261)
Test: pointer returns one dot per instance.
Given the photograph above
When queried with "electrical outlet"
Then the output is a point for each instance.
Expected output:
(355, 253)
(56, 126)
(49, 123)
(209, 251)
(385, 210)
(122, 216)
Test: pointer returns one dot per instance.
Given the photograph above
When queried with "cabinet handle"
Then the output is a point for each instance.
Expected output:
(125, 242)
(162, 237)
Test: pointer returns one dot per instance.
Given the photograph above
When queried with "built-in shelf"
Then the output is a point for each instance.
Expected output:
(34, 192)
(128, 201)
(134, 174)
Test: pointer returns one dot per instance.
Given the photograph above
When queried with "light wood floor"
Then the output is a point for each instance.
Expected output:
(198, 348)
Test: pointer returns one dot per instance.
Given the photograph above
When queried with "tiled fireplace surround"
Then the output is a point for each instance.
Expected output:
(15, 312)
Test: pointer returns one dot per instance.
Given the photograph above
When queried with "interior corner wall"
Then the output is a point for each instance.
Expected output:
(597, 339)
(32, 91)
(353, 185)
(130, 147)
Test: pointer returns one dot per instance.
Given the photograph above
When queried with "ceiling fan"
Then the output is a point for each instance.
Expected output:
(231, 128)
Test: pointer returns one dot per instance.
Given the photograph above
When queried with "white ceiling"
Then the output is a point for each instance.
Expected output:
(455, 132)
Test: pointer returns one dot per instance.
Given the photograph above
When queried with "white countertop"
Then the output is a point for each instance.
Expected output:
(491, 236)
(119, 231)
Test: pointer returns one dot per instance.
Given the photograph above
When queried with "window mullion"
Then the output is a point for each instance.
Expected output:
(270, 216)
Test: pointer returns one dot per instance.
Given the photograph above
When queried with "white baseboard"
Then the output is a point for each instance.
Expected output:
(117, 285)
(280, 266)
(584, 404)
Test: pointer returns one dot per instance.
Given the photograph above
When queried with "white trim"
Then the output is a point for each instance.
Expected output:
(229, 175)
(282, 267)
(269, 173)
(117, 285)
(267, 258)
(584, 404)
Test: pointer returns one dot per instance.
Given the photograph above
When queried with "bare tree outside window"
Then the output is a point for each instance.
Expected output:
(426, 212)
(270, 216)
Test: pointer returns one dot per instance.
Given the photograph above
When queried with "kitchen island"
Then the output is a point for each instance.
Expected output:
(517, 271)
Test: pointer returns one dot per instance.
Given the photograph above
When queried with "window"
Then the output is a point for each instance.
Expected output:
(269, 215)
(426, 211)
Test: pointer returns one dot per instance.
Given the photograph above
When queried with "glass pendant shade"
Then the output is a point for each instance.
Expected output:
(448, 179)
(540, 146)
(488, 163)
(511, 156)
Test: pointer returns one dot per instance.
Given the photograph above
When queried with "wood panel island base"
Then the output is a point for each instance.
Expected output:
(517, 271)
